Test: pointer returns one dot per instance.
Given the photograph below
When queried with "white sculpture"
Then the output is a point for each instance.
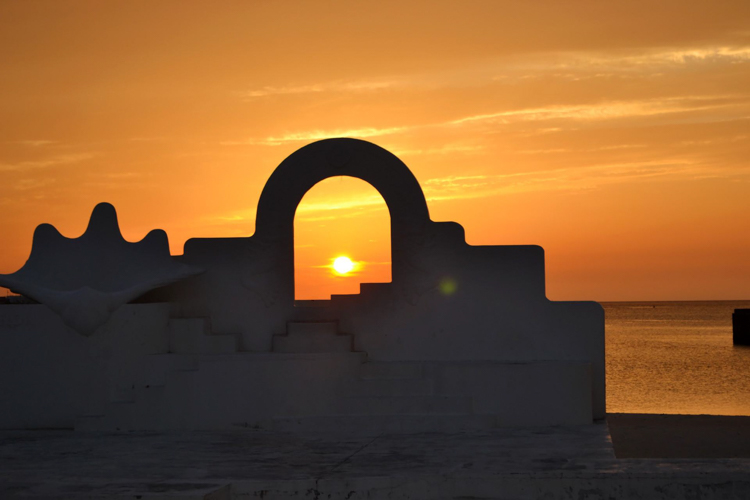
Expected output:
(86, 279)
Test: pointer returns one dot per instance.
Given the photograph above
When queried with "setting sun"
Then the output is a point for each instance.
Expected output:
(343, 265)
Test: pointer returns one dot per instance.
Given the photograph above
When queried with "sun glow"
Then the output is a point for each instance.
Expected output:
(342, 265)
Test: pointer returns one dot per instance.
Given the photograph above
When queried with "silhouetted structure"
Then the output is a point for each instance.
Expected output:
(228, 346)
(741, 327)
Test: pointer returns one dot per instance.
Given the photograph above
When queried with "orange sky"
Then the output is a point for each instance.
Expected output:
(614, 134)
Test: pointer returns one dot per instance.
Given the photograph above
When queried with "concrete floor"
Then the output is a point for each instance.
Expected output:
(545, 463)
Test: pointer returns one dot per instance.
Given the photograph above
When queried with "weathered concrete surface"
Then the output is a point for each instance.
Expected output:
(547, 463)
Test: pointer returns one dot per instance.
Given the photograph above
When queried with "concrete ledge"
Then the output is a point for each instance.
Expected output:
(679, 436)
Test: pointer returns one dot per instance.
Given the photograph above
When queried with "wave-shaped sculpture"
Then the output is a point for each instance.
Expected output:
(86, 279)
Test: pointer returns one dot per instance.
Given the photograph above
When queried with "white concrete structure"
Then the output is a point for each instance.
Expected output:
(229, 347)
(86, 279)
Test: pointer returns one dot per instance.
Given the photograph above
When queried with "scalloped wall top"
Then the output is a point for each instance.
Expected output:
(101, 261)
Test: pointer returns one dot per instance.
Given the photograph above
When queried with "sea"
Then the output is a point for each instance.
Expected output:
(675, 358)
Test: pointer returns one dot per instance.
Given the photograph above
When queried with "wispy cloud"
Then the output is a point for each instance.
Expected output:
(458, 187)
(315, 135)
(613, 147)
(336, 214)
(718, 140)
(605, 110)
(231, 218)
(583, 65)
(335, 86)
(574, 178)
(36, 143)
(573, 65)
(46, 163)
(341, 204)
(657, 57)
(610, 110)
(447, 149)
(28, 184)
(333, 208)
(460, 181)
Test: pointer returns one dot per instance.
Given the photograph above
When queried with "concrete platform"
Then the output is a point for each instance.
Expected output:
(679, 436)
(535, 463)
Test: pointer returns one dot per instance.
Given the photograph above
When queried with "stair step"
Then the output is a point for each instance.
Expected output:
(373, 288)
(312, 343)
(312, 328)
(405, 405)
(385, 387)
(193, 336)
(338, 299)
(397, 370)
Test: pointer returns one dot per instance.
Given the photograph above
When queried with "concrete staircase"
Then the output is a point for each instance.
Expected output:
(329, 310)
(369, 397)
(312, 336)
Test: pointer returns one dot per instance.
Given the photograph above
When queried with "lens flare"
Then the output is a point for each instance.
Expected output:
(448, 286)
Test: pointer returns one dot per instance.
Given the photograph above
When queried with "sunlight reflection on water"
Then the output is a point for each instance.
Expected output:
(675, 357)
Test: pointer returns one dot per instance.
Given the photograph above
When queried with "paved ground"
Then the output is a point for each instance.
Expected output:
(565, 462)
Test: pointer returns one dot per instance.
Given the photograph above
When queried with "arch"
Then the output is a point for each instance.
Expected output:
(320, 160)
(298, 173)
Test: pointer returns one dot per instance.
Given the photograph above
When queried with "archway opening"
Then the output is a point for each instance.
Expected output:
(342, 237)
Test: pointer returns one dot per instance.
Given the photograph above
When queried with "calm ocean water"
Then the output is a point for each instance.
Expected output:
(675, 357)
